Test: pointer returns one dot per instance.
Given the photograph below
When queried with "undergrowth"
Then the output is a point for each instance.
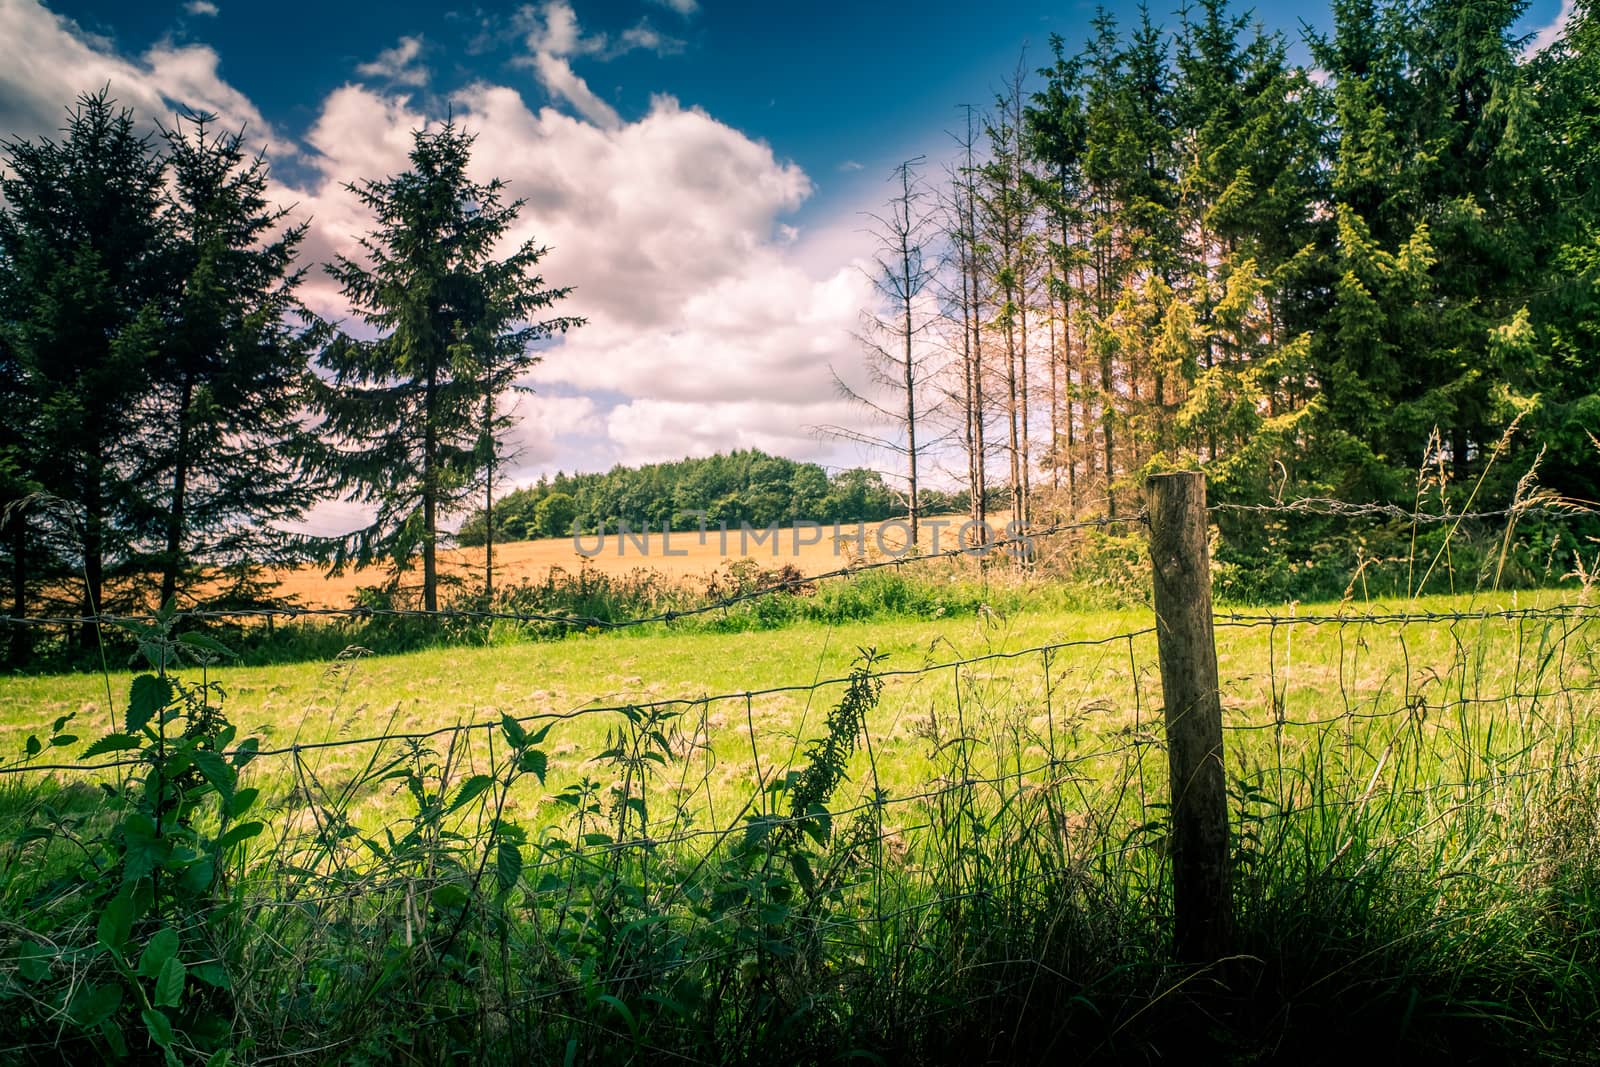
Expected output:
(1417, 875)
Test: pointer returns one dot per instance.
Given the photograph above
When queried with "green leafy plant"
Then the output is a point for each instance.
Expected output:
(151, 868)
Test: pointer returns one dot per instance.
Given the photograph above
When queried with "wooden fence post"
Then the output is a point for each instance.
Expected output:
(1181, 558)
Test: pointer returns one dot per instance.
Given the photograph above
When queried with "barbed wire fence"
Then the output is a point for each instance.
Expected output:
(1142, 747)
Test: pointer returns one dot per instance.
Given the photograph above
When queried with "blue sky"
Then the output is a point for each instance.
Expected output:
(698, 167)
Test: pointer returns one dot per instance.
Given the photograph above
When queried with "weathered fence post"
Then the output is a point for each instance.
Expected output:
(1201, 883)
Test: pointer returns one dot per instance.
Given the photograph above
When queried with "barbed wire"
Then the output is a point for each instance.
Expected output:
(1538, 507)
(1247, 620)
(418, 736)
(1228, 620)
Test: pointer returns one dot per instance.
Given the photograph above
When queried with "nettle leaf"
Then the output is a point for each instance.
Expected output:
(216, 770)
(508, 866)
(161, 947)
(242, 832)
(516, 736)
(242, 801)
(245, 751)
(536, 763)
(471, 789)
(147, 697)
(169, 984)
(802, 872)
(116, 923)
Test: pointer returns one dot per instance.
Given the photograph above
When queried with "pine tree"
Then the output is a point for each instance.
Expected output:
(895, 336)
(231, 377)
(82, 242)
(405, 411)
(1558, 344)
(1055, 123)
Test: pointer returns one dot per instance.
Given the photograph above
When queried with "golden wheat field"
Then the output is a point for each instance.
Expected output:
(689, 555)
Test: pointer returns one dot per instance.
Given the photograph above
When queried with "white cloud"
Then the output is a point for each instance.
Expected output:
(700, 297)
(201, 7)
(849, 166)
(46, 61)
(395, 64)
(682, 7)
(552, 28)
(553, 38)
(712, 320)
(646, 37)
(560, 81)
(1549, 34)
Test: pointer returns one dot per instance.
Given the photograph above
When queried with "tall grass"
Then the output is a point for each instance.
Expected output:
(974, 876)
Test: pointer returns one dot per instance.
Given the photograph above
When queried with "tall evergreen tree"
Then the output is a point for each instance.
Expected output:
(404, 411)
(1558, 343)
(82, 243)
(231, 378)
(1055, 123)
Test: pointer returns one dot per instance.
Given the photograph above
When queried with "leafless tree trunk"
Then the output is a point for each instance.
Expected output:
(892, 337)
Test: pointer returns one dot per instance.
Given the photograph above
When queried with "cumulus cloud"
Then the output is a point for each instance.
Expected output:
(201, 7)
(46, 61)
(704, 332)
(713, 320)
(397, 64)
(1549, 34)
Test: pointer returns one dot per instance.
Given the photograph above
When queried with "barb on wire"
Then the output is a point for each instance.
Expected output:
(1316, 505)
(1242, 620)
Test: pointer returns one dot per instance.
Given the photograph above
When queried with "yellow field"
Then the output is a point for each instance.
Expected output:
(680, 555)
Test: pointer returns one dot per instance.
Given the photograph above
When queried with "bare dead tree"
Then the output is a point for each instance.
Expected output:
(899, 357)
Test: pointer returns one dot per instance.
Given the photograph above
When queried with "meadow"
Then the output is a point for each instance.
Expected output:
(923, 839)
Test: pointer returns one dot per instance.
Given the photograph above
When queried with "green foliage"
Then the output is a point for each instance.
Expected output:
(410, 416)
(743, 486)
(224, 435)
(149, 866)
(968, 872)
(83, 278)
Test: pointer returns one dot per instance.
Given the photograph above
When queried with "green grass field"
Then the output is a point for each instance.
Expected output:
(1300, 673)
(979, 873)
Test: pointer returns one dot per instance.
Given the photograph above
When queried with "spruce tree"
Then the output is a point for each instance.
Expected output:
(404, 411)
(228, 446)
(82, 254)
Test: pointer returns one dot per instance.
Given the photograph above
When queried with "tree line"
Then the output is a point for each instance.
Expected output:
(1172, 246)
(1167, 246)
(742, 486)
(170, 407)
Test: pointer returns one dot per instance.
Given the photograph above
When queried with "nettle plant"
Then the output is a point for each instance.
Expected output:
(149, 865)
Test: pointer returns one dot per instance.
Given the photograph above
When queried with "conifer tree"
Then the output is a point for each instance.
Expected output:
(82, 276)
(230, 380)
(404, 411)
